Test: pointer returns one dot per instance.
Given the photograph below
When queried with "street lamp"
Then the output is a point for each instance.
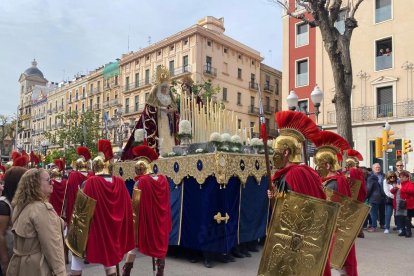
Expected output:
(316, 98)
(44, 144)
(19, 147)
(120, 129)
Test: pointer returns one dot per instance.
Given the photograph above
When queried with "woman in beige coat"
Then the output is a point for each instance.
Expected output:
(37, 229)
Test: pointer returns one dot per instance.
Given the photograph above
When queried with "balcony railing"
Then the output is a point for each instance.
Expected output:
(97, 106)
(253, 85)
(377, 113)
(54, 110)
(134, 85)
(94, 91)
(182, 70)
(253, 110)
(61, 108)
(209, 70)
(268, 109)
(268, 88)
(49, 111)
(110, 103)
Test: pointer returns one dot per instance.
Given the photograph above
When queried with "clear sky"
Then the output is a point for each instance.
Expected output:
(75, 36)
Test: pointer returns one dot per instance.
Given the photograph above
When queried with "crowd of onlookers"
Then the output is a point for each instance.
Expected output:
(390, 194)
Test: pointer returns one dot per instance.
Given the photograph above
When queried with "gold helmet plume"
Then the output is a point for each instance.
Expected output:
(352, 158)
(329, 147)
(101, 164)
(294, 128)
(58, 171)
(144, 156)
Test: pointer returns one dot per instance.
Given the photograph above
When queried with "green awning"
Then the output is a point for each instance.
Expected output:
(111, 69)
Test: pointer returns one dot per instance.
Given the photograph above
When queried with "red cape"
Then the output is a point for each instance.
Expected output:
(75, 180)
(58, 195)
(111, 233)
(154, 216)
(356, 173)
(305, 180)
(343, 186)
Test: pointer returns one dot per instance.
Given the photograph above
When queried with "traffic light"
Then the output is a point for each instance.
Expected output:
(387, 140)
(398, 154)
(378, 147)
(407, 146)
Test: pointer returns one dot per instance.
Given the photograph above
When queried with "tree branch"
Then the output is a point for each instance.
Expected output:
(334, 10)
(301, 16)
(352, 13)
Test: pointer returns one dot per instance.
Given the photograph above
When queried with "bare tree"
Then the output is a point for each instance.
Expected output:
(324, 15)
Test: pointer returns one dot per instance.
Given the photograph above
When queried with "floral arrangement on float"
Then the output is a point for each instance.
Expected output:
(139, 136)
(184, 132)
(215, 140)
(256, 144)
(236, 143)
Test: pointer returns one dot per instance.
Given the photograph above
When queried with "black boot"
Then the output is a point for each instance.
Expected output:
(244, 251)
(408, 227)
(252, 246)
(207, 260)
(160, 267)
(126, 269)
(236, 252)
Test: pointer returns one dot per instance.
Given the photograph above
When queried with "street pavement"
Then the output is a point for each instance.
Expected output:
(378, 254)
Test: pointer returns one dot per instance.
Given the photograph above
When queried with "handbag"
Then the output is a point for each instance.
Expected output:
(402, 204)
(388, 200)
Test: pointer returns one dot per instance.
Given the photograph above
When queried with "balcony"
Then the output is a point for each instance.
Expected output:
(97, 106)
(209, 70)
(253, 110)
(268, 109)
(110, 103)
(137, 109)
(49, 111)
(61, 108)
(253, 85)
(69, 101)
(182, 70)
(268, 88)
(94, 91)
(54, 110)
(377, 113)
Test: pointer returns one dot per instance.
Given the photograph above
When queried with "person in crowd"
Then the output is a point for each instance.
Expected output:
(375, 196)
(407, 194)
(57, 198)
(399, 168)
(111, 232)
(154, 222)
(387, 52)
(11, 179)
(389, 182)
(37, 229)
(381, 52)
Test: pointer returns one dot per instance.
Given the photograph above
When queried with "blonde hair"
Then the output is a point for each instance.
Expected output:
(28, 189)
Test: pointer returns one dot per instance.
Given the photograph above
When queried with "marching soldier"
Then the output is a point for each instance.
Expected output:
(291, 175)
(327, 160)
(152, 214)
(102, 229)
(57, 197)
(354, 172)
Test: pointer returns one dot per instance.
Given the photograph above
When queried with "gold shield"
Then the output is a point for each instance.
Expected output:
(350, 220)
(354, 185)
(299, 236)
(78, 231)
(136, 199)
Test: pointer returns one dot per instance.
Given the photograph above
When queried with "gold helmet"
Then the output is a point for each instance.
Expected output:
(57, 172)
(101, 164)
(81, 164)
(144, 156)
(352, 158)
(294, 129)
(329, 147)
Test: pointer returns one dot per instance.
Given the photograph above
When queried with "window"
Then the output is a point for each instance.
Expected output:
(172, 48)
(208, 43)
(91, 88)
(225, 50)
(98, 99)
(301, 73)
(76, 97)
(267, 124)
(277, 87)
(136, 79)
(136, 103)
(225, 67)
(147, 57)
(251, 129)
(171, 67)
(303, 106)
(252, 99)
(208, 64)
(239, 98)
(239, 73)
(147, 76)
(302, 37)
(224, 93)
(186, 42)
(382, 10)
(185, 63)
(383, 59)
(116, 80)
(159, 53)
(340, 21)
(83, 92)
(384, 102)
(267, 104)
(276, 105)
(127, 105)
(126, 83)
(239, 123)
(83, 107)
(90, 104)
(99, 86)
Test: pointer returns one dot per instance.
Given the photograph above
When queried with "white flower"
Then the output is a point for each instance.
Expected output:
(236, 139)
(199, 150)
(184, 127)
(235, 149)
(171, 153)
(270, 143)
(225, 148)
(215, 137)
(225, 137)
(139, 135)
(255, 142)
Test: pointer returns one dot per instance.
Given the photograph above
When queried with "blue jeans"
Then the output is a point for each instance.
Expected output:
(388, 214)
(374, 214)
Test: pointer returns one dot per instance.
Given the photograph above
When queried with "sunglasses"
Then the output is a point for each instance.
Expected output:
(399, 165)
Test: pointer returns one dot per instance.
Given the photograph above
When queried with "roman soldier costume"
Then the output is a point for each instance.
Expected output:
(57, 198)
(303, 222)
(153, 212)
(105, 206)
